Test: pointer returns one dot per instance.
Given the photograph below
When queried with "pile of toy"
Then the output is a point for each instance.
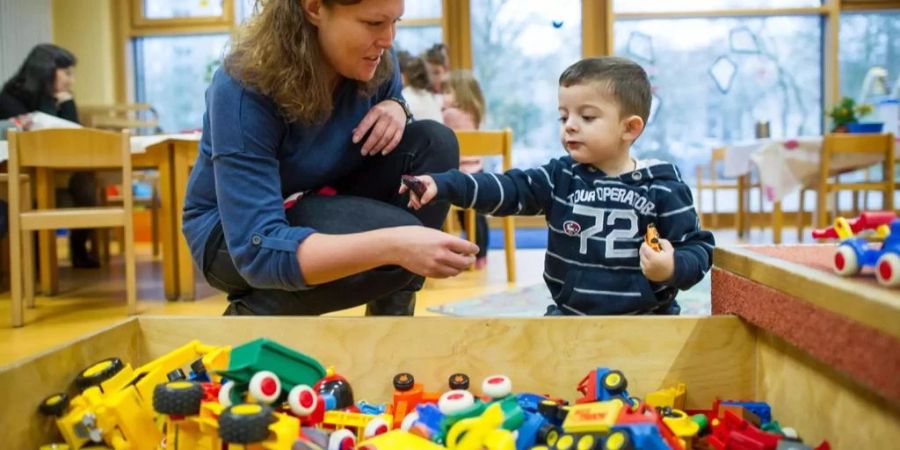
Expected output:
(263, 395)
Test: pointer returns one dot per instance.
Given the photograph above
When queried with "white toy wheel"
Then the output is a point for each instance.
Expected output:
(225, 394)
(846, 263)
(265, 387)
(455, 401)
(408, 421)
(888, 269)
(342, 440)
(496, 386)
(302, 400)
(375, 427)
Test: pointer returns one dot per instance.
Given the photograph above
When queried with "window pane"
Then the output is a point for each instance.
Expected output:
(867, 41)
(623, 6)
(713, 79)
(422, 9)
(417, 39)
(519, 49)
(245, 9)
(168, 9)
(172, 73)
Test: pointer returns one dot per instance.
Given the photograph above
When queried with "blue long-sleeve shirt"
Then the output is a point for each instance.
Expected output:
(251, 158)
(596, 227)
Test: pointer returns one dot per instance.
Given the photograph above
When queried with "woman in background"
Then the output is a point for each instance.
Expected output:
(44, 83)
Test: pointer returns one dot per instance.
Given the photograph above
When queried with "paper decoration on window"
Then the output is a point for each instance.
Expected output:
(722, 72)
(557, 24)
(640, 46)
(742, 40)
(655, 104)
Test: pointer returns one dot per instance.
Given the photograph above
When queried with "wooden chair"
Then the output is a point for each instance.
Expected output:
(136, 117)
(68, 149)
(27, 253)
(491, 143)
(708, 179)
(844, 143)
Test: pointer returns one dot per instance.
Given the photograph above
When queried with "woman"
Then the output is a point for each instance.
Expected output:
(308, 103)
(44, 83)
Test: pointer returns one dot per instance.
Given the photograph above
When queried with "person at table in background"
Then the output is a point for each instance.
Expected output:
(308, 104)
(599, 201)
(423, 104)
(438, 65)
(464, 109)
(44, 83)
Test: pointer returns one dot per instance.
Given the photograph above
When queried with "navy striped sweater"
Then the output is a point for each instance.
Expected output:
(596, 226)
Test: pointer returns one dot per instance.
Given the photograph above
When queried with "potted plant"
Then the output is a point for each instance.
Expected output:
(846, 114)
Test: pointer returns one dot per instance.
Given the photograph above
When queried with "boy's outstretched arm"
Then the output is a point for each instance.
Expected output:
(516, 192)
(678, 223)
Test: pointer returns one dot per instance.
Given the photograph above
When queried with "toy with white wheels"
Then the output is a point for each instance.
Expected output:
(342, 440)
(887, 269)
(855, 253)
(846, 261)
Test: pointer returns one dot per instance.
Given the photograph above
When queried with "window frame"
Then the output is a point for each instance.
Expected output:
(140, 22)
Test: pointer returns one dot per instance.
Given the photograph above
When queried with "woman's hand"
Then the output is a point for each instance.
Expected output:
(433, 253)
(386, 120)
(658, 266)
(63, 96)
(416, 201)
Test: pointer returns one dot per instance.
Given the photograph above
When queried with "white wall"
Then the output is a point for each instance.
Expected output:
(23, 24)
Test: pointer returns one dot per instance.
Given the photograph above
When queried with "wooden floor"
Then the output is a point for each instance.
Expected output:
(92, 299)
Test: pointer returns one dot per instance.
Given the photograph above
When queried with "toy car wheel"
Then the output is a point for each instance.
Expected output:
(342, 440)
(54, 405)
(455, 401)
(98, 373)
(404, 381)
(302, 400)
(548, 434)
(458, 381)
(846, 262)
(888, 269)
(408, 421)
(247, 423)
(618, 440)
(225, 393)
(178, 398)
(265, 387)
(497, 386)
(548, 408)
(375, 427)
(614, 382)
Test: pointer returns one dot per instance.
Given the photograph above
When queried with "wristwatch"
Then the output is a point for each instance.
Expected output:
(405, 106)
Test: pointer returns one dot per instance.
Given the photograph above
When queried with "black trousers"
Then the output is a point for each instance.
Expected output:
(367, 200)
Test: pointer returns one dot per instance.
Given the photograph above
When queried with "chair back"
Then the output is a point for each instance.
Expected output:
(487, 143)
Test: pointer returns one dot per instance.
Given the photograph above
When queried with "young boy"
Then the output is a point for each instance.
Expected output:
(598, 201)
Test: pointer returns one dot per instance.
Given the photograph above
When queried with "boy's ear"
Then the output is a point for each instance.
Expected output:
(313, 11)
(634, 126)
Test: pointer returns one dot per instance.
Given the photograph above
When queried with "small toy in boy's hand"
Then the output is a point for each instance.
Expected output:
(652, 237)
(414, 184)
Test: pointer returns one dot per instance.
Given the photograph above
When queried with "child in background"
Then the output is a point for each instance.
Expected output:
(464, 110)
(598, 201)
(423, 104)
(438, 64)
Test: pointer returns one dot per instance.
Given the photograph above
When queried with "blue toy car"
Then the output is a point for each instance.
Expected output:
(855, 253)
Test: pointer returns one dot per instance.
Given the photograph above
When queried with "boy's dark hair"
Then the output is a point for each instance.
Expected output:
(413, 68)
(625, 79)
(436, 54)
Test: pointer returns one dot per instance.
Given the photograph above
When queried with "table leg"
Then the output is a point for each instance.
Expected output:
(739, 216)
(47, 238)
(168, 228)
(777, 222)
(181, 169)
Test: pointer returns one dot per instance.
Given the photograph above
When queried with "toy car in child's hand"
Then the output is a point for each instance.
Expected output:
(414, 184)
(652, 237)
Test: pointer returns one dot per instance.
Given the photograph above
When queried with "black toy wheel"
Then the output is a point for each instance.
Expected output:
(178, 398)
(618, 440)
(404, 381)
(54, 405)
(614, 381)
(247, 423)
(548, 434)
(548, 408)
(98, 373)
(459, 381)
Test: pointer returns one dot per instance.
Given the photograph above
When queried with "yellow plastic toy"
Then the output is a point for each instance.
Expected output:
(365, 425)
(481, 433)
(683, 427)
(115, 405)
(673, 397)
(597, 417)
(398, 439)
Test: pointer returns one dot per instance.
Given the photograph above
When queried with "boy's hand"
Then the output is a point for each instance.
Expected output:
(658, 266)
(417, 201)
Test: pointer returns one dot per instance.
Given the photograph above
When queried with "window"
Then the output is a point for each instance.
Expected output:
(169, 9)
(655, 6)
(420, 28)
(519, 49)
(714, 78)
(172, 73)
(867, 41)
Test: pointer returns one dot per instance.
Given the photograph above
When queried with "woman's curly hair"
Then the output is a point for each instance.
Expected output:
(277, 53)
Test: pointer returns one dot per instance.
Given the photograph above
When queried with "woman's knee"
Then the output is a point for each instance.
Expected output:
(344, 214)
(442, 148)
